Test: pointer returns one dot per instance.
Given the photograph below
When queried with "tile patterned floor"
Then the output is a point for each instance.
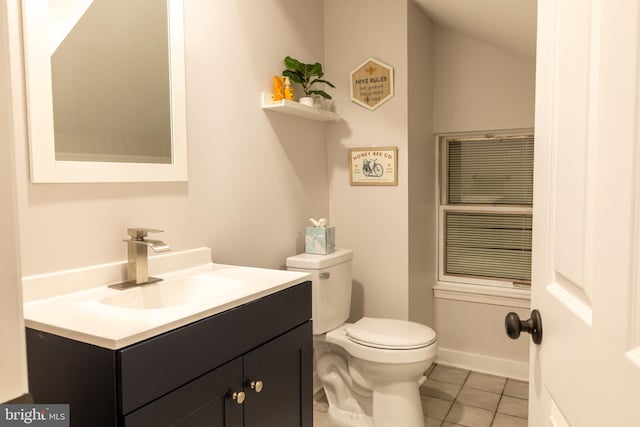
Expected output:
(453, 397)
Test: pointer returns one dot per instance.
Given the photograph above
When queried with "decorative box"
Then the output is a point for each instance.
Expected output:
(320, 240)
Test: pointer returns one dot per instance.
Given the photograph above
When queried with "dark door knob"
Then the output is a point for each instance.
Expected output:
(513, 325)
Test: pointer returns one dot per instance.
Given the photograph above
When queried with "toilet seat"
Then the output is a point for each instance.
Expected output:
(391, 334)
(391, 356)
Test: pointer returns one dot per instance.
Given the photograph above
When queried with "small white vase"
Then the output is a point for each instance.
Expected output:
(307, 100)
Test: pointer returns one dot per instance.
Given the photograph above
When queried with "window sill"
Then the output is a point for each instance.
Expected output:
(511, 297)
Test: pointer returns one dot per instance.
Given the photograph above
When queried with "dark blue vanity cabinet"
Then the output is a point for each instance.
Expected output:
(248, 366)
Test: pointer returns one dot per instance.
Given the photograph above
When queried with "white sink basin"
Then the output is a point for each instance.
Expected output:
(77, 304)
(173, 292)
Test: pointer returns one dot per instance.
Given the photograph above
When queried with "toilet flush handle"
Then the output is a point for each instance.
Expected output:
(325, 275)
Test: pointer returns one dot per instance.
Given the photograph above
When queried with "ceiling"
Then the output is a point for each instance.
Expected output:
(507, 24)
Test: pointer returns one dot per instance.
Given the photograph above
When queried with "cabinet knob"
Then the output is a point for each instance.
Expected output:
(256, 386)
(238, 396)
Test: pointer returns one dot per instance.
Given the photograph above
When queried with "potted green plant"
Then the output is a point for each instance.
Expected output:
(306, 75)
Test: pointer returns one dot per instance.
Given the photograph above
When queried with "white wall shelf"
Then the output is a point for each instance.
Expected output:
(293, 108)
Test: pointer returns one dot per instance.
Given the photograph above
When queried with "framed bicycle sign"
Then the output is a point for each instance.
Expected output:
(373, 166)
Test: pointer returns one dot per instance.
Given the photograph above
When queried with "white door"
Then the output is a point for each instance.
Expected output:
(586, 251)
(13, 359)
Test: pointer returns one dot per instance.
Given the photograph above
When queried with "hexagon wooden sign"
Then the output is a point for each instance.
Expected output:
(371, 84)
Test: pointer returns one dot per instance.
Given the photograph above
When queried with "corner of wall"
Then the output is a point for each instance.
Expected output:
(371, 220)
(421, 195)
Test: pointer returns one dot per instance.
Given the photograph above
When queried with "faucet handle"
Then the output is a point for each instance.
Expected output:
(141, 233)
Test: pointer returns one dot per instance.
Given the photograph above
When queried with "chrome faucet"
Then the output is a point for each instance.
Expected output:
(137, 265)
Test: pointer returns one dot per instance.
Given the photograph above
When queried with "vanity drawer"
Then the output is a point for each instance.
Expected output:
(200, 402)
(153, 368)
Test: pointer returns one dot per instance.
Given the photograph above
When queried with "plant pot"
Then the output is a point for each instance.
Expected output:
(318, 102)
(307, 100)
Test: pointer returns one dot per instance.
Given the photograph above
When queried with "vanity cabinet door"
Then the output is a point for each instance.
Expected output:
(278, 381)
(205, 401)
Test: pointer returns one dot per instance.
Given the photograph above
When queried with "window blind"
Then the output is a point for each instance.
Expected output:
(496, 246)
(496, 171)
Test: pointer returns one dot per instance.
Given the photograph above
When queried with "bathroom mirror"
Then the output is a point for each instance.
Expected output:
(105, 90)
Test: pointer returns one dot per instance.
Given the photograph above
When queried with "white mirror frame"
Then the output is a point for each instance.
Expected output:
(44, 166)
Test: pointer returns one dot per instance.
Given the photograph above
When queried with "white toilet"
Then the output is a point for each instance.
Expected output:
(371, 369)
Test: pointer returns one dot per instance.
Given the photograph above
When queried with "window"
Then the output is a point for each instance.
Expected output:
(486, 201)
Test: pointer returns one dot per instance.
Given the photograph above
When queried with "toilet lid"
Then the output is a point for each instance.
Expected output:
(390, 333)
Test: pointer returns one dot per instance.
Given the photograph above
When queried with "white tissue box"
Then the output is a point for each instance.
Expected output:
(320, 240)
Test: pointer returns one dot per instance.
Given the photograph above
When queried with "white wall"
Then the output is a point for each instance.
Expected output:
(13, 360)
(373, 221)
(254, 176)
(472, 335)
(479, 87)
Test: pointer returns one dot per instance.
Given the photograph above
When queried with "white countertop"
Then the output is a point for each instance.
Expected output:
(81, 316)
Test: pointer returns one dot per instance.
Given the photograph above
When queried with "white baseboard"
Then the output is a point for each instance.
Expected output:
(479, 362)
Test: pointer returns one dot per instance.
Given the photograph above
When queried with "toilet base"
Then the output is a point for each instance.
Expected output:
(348, 419)
(346, 369)
(394, 405)
(397, 404)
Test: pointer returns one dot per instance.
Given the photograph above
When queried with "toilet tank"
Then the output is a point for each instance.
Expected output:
(330, 284)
